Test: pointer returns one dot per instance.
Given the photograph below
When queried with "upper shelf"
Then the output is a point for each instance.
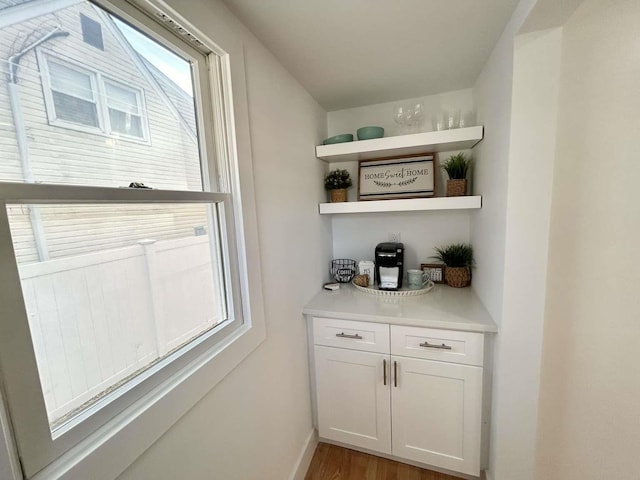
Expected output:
(442, 141)
(403, 205)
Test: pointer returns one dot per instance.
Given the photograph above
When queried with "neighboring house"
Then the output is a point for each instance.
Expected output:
(78, 105)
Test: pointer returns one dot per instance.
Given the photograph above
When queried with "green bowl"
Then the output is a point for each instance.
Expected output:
(367, 133)
(345, 137)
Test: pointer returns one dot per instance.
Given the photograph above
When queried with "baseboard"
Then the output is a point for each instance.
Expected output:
(304, 459)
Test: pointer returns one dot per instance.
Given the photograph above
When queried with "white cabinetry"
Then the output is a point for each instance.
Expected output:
(436, 411)
(410, 392)
(354, 406)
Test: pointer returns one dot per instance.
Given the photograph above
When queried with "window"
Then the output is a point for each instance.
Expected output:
(82, 98)
(129, 286)
(74, 94)
(91, 32)
(113, 298)
(125, 112)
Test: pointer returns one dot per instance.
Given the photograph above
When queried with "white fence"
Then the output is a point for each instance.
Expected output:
(99, 317)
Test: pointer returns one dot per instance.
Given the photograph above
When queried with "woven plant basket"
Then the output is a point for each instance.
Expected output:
(457, 188)
(457, 276)
(338, 195)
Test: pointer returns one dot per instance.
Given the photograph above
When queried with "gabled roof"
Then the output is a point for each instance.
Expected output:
(178, 97)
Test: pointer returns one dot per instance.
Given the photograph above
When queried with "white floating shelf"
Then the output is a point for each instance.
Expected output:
(442, 141)
(403, 205)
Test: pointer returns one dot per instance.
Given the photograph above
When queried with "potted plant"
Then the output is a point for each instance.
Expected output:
(337, 182)
(458, 261)
(457, 167)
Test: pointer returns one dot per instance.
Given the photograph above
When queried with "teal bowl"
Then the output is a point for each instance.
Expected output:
(345, 137)
(367, 133)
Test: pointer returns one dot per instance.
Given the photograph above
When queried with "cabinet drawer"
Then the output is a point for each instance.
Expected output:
(369, 337)
(445, 345)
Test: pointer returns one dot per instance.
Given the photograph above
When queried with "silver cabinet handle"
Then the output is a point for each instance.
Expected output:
(395, 373)
(433, 345)
(384, 371)
(344, 335)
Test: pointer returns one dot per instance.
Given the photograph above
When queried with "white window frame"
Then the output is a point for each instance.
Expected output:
(141, 103)
(110, 448)
(98, 85)
(48, 94)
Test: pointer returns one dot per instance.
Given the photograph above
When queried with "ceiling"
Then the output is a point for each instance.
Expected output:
(350, 53)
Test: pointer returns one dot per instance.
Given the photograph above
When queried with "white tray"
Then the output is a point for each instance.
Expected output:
(395, 293)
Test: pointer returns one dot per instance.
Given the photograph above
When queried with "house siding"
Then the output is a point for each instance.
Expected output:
(168, 160)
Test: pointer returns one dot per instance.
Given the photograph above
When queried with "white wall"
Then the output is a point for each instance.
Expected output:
(381, 114)
(492, 96)
(589, 425)
(536, 75)
(497, 162)
(255, 422)
(355, 236)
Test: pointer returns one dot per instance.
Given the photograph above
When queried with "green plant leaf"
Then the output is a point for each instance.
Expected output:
(457, 166)
(455, 255)
(337, 179)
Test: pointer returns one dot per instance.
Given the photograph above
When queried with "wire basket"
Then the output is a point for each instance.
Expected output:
(343, 269)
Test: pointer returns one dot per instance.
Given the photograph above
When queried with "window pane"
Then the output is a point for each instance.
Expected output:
(124, 286)
(125, 123)
(70, 81)
(72, 109)
(91, 32)
(36, 148)
(122, 99)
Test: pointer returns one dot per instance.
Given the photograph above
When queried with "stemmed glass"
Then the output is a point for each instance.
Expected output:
(409, 115)
(400, 115)
(418, 116)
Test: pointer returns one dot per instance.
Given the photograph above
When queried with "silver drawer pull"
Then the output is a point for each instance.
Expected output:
(433, 345)
(384, 372)
(344, 335)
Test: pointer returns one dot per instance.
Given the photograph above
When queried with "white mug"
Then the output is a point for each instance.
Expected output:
(417, 279)
(366, 267)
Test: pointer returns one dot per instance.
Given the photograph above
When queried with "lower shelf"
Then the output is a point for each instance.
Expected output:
(403, 205)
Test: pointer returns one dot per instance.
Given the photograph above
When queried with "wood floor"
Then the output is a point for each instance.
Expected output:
(336, 463)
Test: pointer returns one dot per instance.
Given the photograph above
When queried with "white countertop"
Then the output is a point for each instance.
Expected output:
(442, 307)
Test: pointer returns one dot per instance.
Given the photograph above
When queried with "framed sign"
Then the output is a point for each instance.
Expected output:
(435, 271)
(405, 177)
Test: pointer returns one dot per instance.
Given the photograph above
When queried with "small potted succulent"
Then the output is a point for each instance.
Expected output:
(337, 182)
(458, 261)
(457, 167)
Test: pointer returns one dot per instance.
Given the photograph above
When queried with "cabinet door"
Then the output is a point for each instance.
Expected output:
(437, 413)
(354, 404)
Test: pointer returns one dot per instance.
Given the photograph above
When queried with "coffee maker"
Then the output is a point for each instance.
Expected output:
(389, 257)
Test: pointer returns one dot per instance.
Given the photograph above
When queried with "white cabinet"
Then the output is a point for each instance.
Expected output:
(416, 395)
(353, 399)
(436, 411)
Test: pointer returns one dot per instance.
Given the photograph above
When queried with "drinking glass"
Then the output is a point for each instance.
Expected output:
(400, 115)
(440, 121)
(454, 119)
(417, 116)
